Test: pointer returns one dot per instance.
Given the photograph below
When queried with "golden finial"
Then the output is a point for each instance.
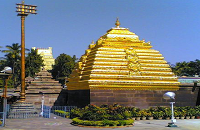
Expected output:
(117, 23)
(92, 42)
(22, 1)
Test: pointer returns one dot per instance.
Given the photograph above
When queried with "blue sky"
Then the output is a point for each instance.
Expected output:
(69, 26)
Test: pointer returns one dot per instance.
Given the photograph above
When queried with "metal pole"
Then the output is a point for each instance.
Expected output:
(5, 101)
(22, 93)
(172, 107)
(173, 120)
(4, 111)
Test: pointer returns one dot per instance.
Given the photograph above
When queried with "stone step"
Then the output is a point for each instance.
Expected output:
(22, 106)
(47, 86)
(44, 87)
(23, 110)
(22, 115)
(44, 91)
(44, 82)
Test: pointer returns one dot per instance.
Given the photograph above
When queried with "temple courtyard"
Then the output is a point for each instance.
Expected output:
(64, 124)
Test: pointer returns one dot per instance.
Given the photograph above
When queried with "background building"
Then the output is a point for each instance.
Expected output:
(47, 56)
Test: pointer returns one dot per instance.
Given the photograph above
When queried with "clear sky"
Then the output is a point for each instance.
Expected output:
(69, 26)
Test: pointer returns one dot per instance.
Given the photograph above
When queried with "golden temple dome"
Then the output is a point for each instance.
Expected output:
(119, 60)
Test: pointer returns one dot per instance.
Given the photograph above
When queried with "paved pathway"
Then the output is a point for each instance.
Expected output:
(64, 124)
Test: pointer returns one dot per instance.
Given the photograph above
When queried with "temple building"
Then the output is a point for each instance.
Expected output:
(43, 83)
(121, 68)
(47, 56)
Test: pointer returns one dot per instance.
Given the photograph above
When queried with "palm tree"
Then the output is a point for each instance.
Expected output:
(13, 57)
(0, 51)
(13, 51)
(12, 54)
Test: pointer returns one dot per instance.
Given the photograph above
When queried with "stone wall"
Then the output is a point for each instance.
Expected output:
(143, 98)
(137, 98)
(50, 99)
(79, 98)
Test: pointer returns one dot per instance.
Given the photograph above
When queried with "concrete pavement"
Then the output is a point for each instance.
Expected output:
(64, 124)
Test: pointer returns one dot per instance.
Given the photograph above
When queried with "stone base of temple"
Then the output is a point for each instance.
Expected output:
(137, 98)
(79, 98)
(50, 99)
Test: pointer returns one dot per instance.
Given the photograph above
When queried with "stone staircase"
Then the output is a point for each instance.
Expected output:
(22, 110)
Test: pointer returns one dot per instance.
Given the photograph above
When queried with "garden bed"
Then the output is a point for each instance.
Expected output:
(116, 115)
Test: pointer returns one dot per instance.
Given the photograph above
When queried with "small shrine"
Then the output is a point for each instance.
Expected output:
(44, 85)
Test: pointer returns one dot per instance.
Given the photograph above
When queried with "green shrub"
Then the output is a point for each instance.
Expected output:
(197, 108)
(95, 113)
(117, 117)
(110, 123)
(134, 111)
(103, 122)
(177, 113)
(167, 112)
(63, 113)
(143, 113)
(77, 121)
(191, 112)
(122, 123)
(157, 114)
(125, 122)
(77, 112)
(126, 115)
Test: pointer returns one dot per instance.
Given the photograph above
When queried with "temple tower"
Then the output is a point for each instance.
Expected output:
(47, 56)
(120, 65)
(44, 84)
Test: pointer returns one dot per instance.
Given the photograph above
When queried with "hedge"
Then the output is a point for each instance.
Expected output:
(78, 121)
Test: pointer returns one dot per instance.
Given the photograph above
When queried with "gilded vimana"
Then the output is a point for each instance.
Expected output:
(120, 61)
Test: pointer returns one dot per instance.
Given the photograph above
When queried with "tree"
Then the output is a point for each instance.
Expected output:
(2, 61)
(187, 68)
(13, 52)
(64, 64)
(12, 59)
(34, 62)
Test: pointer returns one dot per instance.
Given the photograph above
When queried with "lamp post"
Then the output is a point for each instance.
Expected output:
(42, 107)
(23, 11)
(171, 95)
(5, 74)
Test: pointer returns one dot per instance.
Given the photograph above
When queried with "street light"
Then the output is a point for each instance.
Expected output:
(23, 11)
(42, 110)
(167, 96)
(5, 74)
